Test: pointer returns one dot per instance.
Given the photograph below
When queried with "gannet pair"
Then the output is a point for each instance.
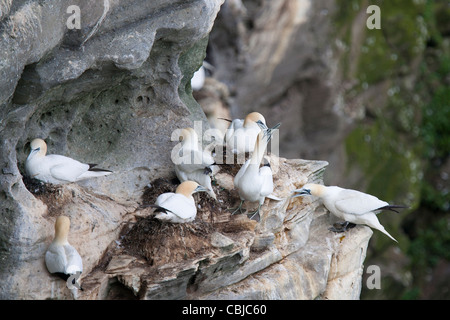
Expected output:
(196, 164)
(57, 169)
(354, 207)
(61, 258)
(241, 135)
(253, 182)
(178, 207)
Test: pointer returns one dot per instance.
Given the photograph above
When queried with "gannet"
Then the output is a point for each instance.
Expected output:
(178, 207)
(61, 258)
(196, 164)
(354, 207)
(240, 136)
(199, 76)
(58, 169)
(255, 183)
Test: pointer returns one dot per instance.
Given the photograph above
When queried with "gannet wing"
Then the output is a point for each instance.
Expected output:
(55, 259)
(234, 125)
(352, 201)
(267, 181)
(74, 262)
(66, 169)
(179, 205)
(163, 198)
(197, 160)
(241, 173)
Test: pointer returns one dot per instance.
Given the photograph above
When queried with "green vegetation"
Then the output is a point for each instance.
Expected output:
(403, 144)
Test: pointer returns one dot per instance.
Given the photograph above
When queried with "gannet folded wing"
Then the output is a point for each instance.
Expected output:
(352, 201)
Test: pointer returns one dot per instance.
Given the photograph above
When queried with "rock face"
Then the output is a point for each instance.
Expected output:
(289, 254)
(112, 93)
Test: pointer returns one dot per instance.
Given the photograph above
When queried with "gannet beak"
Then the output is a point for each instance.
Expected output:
(300, 193)
(200, 189)
(262, 125)
(269, 131)
(34, 151)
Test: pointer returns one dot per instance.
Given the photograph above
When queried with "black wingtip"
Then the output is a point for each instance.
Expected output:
(393, 207)
(98, 170)
(157, 208)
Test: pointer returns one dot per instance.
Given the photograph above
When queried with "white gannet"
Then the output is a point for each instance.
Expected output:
(58, 169)
(255, 183)
(199, 76)
(354, 207)
(195, 164)
(61, 258)
(178, 207)
(240, 136)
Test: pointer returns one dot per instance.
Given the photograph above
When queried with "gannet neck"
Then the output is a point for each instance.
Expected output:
(62, 226)
(252, 117)
(260, 149)
(187, 188)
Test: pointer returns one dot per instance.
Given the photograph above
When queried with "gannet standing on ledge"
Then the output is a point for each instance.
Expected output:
(241, 135)
(255, 183)
(178, 207)
(58, 169)
(196, 164)
(352, 206)
(61, 258)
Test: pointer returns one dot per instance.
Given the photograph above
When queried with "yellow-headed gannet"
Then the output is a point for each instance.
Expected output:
(354, 207)
(178, 207)
(255, 183)
(58, 169)
(196, 164)
(241, 135)
(61, 258)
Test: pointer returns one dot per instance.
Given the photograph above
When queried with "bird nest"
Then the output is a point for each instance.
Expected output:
(161, 242)
(51, 195)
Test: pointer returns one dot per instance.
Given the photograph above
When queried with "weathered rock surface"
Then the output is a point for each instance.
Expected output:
(112, 93)
(109, 93)
(289, 254)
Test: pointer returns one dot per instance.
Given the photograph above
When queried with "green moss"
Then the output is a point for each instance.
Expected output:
(388, 51)
(189, 62)
(391, 168)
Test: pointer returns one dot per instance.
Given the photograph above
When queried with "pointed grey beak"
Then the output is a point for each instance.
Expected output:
(267, 131)
(300, 193)
(33, 151)
(200, 189)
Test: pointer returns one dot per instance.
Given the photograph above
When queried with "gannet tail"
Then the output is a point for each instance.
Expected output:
(393, 207)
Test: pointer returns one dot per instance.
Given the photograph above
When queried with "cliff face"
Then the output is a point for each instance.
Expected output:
(112, 93)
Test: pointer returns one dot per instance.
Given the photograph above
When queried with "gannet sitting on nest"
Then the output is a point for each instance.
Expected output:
(57, 169)
(178, 207)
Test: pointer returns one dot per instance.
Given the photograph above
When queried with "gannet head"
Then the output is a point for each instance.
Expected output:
(62, 226)
(188, 188)
(253, 117)
(310, 189)
(38, 146)
(189, 135)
